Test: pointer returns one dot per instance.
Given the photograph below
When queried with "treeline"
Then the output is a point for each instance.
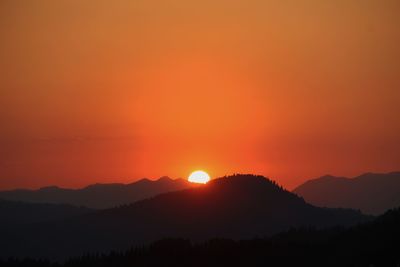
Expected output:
(372, 244)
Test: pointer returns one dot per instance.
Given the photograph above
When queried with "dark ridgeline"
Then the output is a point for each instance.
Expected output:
(99, 196)
(15, 213)
(371, 193)
(370, 244)
(238, 207)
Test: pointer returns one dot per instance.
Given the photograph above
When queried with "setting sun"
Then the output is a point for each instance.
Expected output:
(200, 177)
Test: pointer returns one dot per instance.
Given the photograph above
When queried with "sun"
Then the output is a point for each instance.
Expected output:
(200, 177)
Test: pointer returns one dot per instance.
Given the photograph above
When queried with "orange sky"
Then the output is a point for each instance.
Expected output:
(113, 91)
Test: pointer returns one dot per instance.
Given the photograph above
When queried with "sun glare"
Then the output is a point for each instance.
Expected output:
(200, 177)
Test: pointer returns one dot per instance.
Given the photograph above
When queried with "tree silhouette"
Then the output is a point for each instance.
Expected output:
(369, 244)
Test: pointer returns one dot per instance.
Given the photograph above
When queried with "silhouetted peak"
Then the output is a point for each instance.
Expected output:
(245, 181)
(49, 188)
(164, 179)
(142, 181)
(327, 177)
(323, 179)
(101, 186)
(354, 192)
(100, 195)
(240, 178)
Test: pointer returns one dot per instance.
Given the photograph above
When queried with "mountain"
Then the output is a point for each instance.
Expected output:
(375, 243)
(372, 193)
(99, 196)
(14, 213)
(239, 206)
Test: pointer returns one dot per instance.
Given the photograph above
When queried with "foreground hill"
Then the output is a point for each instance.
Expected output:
(238, 207)
(99, 196)
(371, 193)
(14, 213)
(370, 244)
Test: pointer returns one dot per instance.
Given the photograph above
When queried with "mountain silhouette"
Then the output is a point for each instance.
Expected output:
(17, 213)
(99, 196)
(372, 193)
(374, 243)
(238, 207)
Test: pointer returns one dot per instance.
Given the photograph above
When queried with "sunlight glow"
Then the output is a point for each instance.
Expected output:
(199, 176)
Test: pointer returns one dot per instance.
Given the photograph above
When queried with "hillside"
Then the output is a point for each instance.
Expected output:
(370, 244)
(372, 193)
(99, 196)
(238, 207)
(14, 213)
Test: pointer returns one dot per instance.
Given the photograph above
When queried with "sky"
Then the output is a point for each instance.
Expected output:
(115, 91)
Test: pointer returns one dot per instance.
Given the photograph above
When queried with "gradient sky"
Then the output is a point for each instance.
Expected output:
(114, 91)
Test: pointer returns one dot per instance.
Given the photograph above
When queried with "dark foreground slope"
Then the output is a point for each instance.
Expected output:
(99, 196)
(238, 207)
(14, 213)
(371, 193)
(370, 244)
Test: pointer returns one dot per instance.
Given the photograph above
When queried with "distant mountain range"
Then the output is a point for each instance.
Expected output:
(372, 193)
(99, 196)
(239, 207)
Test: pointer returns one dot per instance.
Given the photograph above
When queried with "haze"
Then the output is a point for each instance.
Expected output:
(100, 91)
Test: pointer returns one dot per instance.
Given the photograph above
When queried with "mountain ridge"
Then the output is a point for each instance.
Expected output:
(99, 195)
(372, 193)
(15, 213)
(238, 207)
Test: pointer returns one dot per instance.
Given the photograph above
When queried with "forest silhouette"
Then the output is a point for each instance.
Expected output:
(237, 220)
(234, 207)
(370, 244)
